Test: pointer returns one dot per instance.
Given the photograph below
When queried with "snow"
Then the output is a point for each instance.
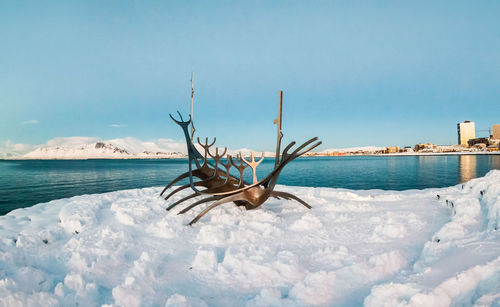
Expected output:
(80, 147)
(129, 149)
(432, 247)
(92, 148)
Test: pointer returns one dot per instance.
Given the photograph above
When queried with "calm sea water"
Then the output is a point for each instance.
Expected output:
(25, 183)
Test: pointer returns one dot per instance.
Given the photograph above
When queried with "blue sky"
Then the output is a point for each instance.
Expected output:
(354, 73)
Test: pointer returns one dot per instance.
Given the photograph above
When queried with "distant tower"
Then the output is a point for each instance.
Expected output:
(496, 132)
(466, 131)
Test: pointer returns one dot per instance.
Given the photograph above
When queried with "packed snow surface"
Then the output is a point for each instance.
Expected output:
(433, 247)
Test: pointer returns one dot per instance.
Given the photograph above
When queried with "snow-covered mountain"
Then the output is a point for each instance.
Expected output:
(78, 147)
(97, 150)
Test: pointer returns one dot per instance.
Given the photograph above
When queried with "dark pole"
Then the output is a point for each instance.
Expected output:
(192, 119)
(277, 121)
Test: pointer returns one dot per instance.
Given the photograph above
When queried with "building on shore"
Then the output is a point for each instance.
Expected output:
(466, 131)
(490, 143)
(473, 142)
(496, 132)
(392, 149)
(429, 147)
(406, 149)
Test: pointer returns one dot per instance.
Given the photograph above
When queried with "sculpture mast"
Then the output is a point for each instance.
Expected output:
(277, 121)
(192, 95)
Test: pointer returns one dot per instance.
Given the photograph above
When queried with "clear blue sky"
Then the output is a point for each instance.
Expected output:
(353, 72)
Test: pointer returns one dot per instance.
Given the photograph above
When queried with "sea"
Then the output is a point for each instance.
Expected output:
(24, 183)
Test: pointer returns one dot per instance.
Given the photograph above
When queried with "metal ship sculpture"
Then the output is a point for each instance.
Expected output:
(214, 180)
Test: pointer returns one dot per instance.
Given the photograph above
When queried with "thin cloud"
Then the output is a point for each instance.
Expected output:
(71, 141)
(118, 125)
(31, 122)
(10, 150)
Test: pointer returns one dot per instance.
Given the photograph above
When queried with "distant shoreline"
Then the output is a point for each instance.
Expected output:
(440, 154)
(405, 154)
(308, 156)
(86, 159)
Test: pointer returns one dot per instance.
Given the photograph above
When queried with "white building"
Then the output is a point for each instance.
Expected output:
(466, 131)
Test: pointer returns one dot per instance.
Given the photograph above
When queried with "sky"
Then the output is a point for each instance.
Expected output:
(354, 73)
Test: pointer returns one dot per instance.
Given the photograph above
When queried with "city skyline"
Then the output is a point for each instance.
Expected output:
(352, 74)
(164, 146)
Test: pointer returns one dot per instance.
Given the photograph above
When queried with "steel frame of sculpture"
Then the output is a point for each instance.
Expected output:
(220, 186)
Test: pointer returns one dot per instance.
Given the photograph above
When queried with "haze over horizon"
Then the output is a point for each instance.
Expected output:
(353, 74)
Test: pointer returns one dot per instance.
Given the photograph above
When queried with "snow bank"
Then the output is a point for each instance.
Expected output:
(419, 248)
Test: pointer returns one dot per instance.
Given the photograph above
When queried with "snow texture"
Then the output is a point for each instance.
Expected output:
(433, 247)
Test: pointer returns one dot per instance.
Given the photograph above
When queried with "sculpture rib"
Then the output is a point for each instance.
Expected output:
(182, 187)
(198, 203)
(286, 195)
(182, 200)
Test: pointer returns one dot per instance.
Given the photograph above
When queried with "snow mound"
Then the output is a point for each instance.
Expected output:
(434, 247)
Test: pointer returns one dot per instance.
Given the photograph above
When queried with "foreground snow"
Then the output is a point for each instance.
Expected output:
(373, 247)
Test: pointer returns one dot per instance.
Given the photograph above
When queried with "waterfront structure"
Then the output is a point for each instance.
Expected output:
(496, 132)
(484, 141)
(429, 147)
(392, 149)
(466, 131)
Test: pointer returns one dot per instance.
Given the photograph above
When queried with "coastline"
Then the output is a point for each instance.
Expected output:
(440, 154)
(85, 159)
(400, 154)
(404, 154)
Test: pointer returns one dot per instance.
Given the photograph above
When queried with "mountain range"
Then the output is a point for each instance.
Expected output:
(127, 148)
(97, 150)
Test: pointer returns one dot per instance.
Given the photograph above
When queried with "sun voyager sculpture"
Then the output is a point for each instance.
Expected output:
(216, 183)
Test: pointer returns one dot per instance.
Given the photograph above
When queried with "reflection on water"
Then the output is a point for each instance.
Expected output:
(467, 167)
(494, 161)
